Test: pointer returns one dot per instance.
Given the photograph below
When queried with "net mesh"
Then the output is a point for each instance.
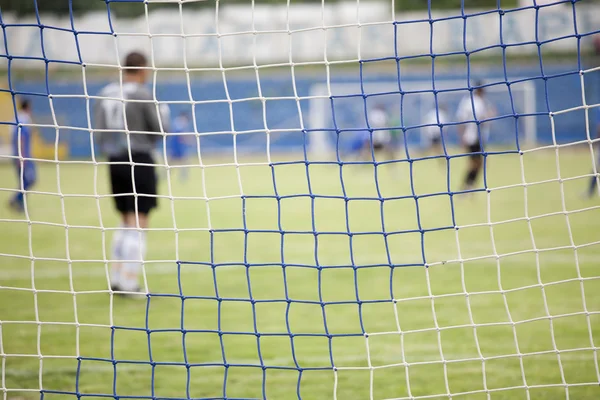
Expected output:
(283, 265)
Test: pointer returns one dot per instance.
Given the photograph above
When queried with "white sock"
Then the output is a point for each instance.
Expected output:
(116, 254)
(134, 249)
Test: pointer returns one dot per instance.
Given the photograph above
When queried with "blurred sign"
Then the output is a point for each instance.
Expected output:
(241, 35)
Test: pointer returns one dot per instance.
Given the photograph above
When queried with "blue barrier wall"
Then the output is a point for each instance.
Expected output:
(559, 90)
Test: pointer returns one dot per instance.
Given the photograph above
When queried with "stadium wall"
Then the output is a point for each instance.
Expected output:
(268, 34)
(232, 40)
(560, 90)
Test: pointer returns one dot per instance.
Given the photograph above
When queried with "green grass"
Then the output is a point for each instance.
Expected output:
(521, 286)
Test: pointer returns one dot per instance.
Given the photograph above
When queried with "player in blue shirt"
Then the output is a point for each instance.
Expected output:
(176, 143)
(592, 188)
(25, 167)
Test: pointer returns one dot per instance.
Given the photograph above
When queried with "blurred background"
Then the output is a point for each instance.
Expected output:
(263, 69)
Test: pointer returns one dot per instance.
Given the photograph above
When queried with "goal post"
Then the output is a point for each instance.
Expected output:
(273, 268)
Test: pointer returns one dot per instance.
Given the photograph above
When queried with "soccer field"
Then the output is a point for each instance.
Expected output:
(507, 309)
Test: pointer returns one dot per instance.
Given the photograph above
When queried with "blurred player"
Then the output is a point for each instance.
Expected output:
(433, 132)
(381, 137)
(470, 109)
(176, 143)
(593, 180)
(21, 139)
(140, 116)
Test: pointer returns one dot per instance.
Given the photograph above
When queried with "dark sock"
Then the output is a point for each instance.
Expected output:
(471, 176)
(592, 188)
(18, 199)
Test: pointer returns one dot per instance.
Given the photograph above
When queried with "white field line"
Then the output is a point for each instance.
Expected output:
(379, 362)
(61, 272)
(557, 259)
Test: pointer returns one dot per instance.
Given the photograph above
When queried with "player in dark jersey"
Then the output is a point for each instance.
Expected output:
(131, 108)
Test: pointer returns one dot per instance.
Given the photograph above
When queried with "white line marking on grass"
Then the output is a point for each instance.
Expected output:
(554, 259)
(378, 362)
(53, 272)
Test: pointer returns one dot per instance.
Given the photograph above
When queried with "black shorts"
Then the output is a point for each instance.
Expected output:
(436, 140)
(122, 183)
(379, 145)
(475, 150)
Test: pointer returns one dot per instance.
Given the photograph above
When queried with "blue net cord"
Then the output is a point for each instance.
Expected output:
(337, 130)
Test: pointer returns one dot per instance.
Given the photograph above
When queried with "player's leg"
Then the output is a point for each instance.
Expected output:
(358, 148)
(380, 151)
(385, 149)
(435, 146)
(381, 146)
(26, 176)
(592, 187)
(378, 148)
(594, 180)
(437, 149)
(134, 243)
(16, 202)
(29, 178)
(475, 164)
(120, 181)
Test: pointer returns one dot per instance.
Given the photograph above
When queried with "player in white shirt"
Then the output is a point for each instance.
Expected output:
(475, 108)
(433, 132)
(382, 137)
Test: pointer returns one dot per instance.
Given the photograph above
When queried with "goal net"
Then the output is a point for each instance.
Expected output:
(288, 257)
